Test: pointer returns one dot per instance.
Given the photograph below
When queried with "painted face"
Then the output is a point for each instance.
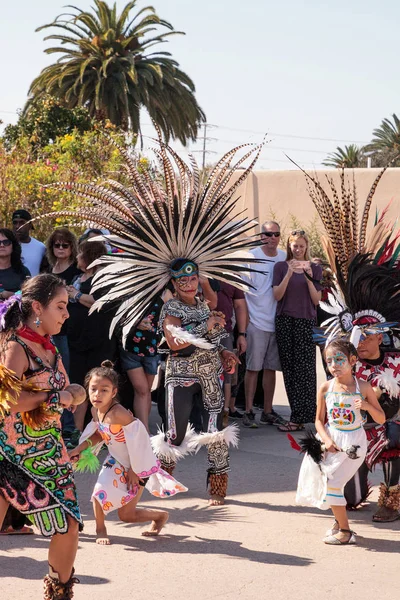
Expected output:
(55, 313)
(337, 362)
(298, 248)
(101, 392)
(187, 285)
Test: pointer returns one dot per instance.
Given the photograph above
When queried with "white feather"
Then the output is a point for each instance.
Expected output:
(162, 447)
(355, 336)
(230, 435)
(389, 384)
(181, 336)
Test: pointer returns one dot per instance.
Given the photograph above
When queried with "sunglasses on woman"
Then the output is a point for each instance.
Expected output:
(5, 243)
(298, 232)
(61, 245)
(271, 233)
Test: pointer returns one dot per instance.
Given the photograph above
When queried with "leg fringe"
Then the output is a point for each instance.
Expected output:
(55, 590)
(218, 484)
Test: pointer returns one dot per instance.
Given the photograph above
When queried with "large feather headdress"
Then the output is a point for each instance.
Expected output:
(153, 223)
(366, 299)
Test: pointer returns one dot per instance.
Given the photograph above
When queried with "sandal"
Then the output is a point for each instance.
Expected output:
(332, 540)
(23, 531)
(333, 530)
(291, 427)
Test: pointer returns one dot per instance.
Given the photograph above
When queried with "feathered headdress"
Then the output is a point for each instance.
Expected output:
(366, 267)
(153, 224)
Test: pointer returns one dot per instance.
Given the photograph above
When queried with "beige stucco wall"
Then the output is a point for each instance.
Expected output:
(283, 193)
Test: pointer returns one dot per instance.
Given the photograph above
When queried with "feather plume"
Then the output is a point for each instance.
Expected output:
(182, 336)
(153, 224)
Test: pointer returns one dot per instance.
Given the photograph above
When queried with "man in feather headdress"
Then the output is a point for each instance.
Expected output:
(365, 307)
(380, 366)
(178, 230)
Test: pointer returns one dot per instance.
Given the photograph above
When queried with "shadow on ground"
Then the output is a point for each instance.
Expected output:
(181, 544)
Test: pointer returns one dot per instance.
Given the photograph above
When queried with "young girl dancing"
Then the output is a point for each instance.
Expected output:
(340, 402)
(130, 465)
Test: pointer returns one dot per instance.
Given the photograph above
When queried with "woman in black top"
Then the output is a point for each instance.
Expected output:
(12, 271)
(88, 335)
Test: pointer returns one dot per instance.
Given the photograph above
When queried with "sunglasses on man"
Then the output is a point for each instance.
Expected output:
(5, 243)
(61, 245)
(271, 233)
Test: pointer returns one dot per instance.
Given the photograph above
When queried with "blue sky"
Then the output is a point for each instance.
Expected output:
(295, 70)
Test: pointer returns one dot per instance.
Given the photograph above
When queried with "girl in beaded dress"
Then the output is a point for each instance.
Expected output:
(340, 402)
(35, 473)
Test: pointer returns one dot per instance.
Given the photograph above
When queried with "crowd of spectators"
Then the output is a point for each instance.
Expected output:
(269, 328)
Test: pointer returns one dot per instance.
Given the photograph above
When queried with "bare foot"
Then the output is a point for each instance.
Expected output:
(156, 526)
(101, 537)
(216, 500)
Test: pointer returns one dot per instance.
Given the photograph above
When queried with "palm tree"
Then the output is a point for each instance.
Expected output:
(385, 145)
(351, 157)
(105, 66)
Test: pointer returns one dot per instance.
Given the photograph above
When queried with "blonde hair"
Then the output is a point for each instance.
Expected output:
(297, 235)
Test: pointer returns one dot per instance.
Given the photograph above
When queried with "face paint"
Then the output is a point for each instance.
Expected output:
(338, 359)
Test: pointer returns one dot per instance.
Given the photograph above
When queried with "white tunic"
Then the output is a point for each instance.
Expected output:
(129, 447)
(322, 485)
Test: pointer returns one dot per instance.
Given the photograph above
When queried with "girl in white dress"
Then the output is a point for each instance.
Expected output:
(339, 424)
(131, 464)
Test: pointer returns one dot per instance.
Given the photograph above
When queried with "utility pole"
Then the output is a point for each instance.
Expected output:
(204, 146)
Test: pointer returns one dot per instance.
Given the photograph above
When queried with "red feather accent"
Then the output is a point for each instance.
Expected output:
(293, 443)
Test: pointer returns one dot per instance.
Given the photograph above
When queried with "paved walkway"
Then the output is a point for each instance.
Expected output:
(260, 545)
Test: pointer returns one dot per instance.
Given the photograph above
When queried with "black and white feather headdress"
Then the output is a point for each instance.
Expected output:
(153, 223)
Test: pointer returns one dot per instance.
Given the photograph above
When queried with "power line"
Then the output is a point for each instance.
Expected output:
(286, 135)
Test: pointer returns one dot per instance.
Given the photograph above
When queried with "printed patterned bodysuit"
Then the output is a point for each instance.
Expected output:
(35, 472)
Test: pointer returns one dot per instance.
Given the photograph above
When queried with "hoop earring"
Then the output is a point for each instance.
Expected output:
(37, 321)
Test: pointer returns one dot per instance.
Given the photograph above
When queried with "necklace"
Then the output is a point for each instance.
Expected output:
(107, 411)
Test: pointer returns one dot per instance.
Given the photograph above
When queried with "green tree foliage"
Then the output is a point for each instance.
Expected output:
(46, 120)
(105, 65)
(385, 144)
(82, 157)
(349, 157)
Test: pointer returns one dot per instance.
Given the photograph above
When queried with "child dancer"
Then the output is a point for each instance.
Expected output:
(340, 402)
(130, 465)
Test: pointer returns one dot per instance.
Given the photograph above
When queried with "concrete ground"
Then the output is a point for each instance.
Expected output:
(259, 545)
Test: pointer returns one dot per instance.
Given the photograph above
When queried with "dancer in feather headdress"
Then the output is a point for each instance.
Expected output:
(176, 231)
(366, 309)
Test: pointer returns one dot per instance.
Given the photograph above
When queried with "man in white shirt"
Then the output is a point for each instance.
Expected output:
(262, 349)
(33, 251)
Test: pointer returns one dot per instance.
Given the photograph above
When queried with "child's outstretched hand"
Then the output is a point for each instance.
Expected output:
(132, 479)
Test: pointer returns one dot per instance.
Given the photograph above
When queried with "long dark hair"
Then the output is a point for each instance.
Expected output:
(41, 288)
(16, 254)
